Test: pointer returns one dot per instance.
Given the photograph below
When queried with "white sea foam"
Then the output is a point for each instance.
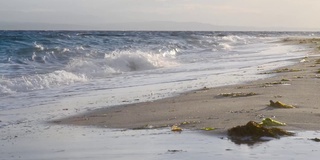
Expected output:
(4, 90)
(120, 62)
(232, 38)
(39, 81)
(138, 60)
(38, 46)
(65, 50)
(171, 53)
(40, 59)
(224, 47)
(80, 48)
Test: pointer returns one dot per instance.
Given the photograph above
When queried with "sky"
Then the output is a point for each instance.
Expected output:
(251, 13)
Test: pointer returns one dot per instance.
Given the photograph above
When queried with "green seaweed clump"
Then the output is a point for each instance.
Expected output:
(256, 131)
(271, 122)
(279, 104)
(207, 128)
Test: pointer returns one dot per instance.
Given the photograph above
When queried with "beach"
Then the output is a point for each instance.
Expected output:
(228, 106)
(173, 95)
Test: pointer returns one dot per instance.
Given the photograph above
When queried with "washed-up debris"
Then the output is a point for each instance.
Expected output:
(315, 139)
(299, 77)
(279, 104)
(282, 71)
(287, 70)
(176, 128)
(237, 94)
(285, 80)
(318, 61)
(189, 122)
(185, 123)
(208, 128)
(255, 131)
(266, 85)
(274, 83)
(174, 151)
(242, 87)
(205, 88)
(271, 122)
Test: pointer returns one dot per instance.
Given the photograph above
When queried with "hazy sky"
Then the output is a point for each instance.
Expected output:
(256, 13)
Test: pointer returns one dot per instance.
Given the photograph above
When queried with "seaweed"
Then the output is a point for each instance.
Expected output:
(315, 139)
(175, 151)
(279, 104)
(254, 129)
(252, 132)
(274, 83)
(271, 122)
(237, 94)
(282, 70)
(208, 128)
(299, 77)
(287, 70)
(176, 128)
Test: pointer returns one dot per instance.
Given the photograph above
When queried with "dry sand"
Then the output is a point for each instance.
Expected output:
(297, 85)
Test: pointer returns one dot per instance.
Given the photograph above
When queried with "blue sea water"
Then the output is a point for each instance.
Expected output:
(46, 75)
(40, 60)
(106, 68)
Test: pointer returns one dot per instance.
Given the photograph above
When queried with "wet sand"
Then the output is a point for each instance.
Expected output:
(296, 85)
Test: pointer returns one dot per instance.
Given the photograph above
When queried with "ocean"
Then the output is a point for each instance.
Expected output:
(45, 75)
(107, 68)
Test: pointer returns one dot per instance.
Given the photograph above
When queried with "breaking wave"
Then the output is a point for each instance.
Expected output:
(40, 81)
(82, 69)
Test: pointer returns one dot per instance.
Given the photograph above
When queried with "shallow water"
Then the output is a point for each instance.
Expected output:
(67, 142)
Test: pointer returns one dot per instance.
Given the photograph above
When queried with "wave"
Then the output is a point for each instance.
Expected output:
(120, 62)
(39, 81)
(38, 46)
(82, 69)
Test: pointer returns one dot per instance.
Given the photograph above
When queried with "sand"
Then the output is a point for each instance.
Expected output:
(296, 85)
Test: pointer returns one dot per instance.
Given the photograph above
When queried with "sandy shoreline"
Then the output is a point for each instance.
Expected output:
(297, 85)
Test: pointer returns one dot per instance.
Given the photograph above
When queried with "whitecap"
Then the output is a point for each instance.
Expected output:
(38, 46)
(224, 46)
(39, 81)
(138, 60)
(171, 54)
